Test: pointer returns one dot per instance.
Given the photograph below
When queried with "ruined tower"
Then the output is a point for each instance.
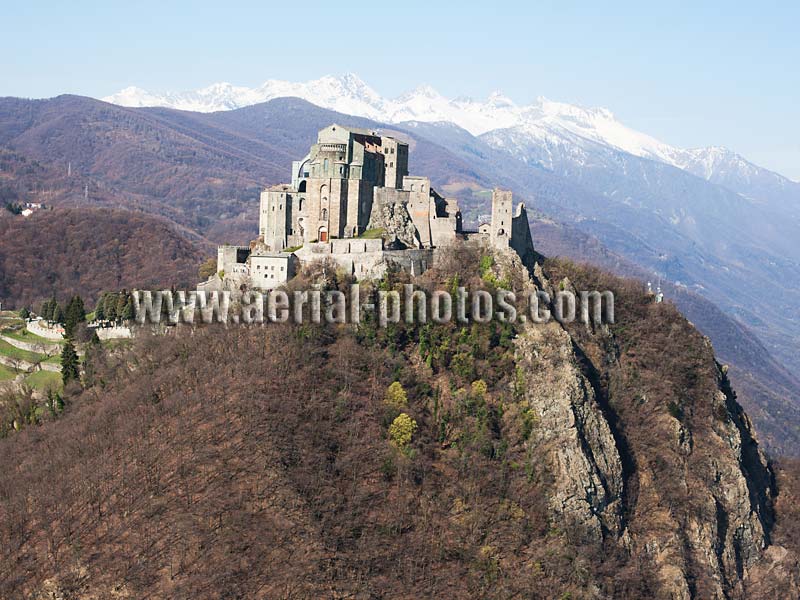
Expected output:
(500, 234)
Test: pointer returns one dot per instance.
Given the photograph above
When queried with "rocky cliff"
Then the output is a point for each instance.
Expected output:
(661, 462)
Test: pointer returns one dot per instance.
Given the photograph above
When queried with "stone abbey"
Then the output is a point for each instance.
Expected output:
(351, 183)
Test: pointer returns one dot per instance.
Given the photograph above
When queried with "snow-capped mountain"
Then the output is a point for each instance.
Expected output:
(542, 122)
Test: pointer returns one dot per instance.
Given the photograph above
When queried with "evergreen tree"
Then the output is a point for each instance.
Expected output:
(129, 313)
(99, 311)
(24, 314)
(46, 311)
(74, 314)
(76, 309)
(69, 363)
(55, 308)
(58, 314)
(110, 307)
(120, 308)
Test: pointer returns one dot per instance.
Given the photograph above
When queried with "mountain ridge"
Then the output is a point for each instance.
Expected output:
(204, 172)
(351, 95)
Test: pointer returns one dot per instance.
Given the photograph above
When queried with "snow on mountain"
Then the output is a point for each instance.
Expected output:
(350, 95)
(347, 94)
(543, 119)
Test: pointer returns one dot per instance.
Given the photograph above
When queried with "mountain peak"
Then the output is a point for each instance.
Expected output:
(543, 118)
(499, 99)
(421, 91)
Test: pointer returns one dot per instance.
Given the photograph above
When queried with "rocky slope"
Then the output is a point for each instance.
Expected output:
(663, 462)
(547, 461)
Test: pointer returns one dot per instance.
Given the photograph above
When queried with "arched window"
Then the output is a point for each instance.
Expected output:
(325, 166)
(324, 214)
(300, 205)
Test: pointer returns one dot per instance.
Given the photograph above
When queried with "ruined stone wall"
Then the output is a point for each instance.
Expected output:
(229, 256)
(521, 238)
(419, 207)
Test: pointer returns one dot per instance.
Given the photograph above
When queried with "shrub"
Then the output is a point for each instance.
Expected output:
(675, 410)
(207, 269)
(396, 396)
(463, 365)
(479, 389)
(401, 430)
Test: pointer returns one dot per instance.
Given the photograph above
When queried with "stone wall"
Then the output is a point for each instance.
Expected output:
(114, 333)
(39, 347)
(272, 269)
(55, 333)
(359, 257)
(25, 366)
(415, 261)
(521, 238)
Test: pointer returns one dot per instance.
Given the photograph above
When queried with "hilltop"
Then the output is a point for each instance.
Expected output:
(548, 462)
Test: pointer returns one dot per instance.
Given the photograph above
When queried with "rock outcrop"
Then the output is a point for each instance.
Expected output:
(682, 484)
(581, 454)
(394, 219)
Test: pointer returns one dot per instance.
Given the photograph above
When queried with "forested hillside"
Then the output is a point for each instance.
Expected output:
(413, 461)
(86, 251)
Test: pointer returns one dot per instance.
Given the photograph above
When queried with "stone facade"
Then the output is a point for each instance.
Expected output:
(271, 269)
(353, 180)
(332, 188)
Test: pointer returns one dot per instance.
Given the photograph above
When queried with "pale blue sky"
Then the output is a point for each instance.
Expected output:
(718, 74)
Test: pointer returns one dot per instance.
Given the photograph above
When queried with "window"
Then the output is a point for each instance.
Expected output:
(325, 165)
(392, 150)
(391, 164)
(341, 170)
(324, 214)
